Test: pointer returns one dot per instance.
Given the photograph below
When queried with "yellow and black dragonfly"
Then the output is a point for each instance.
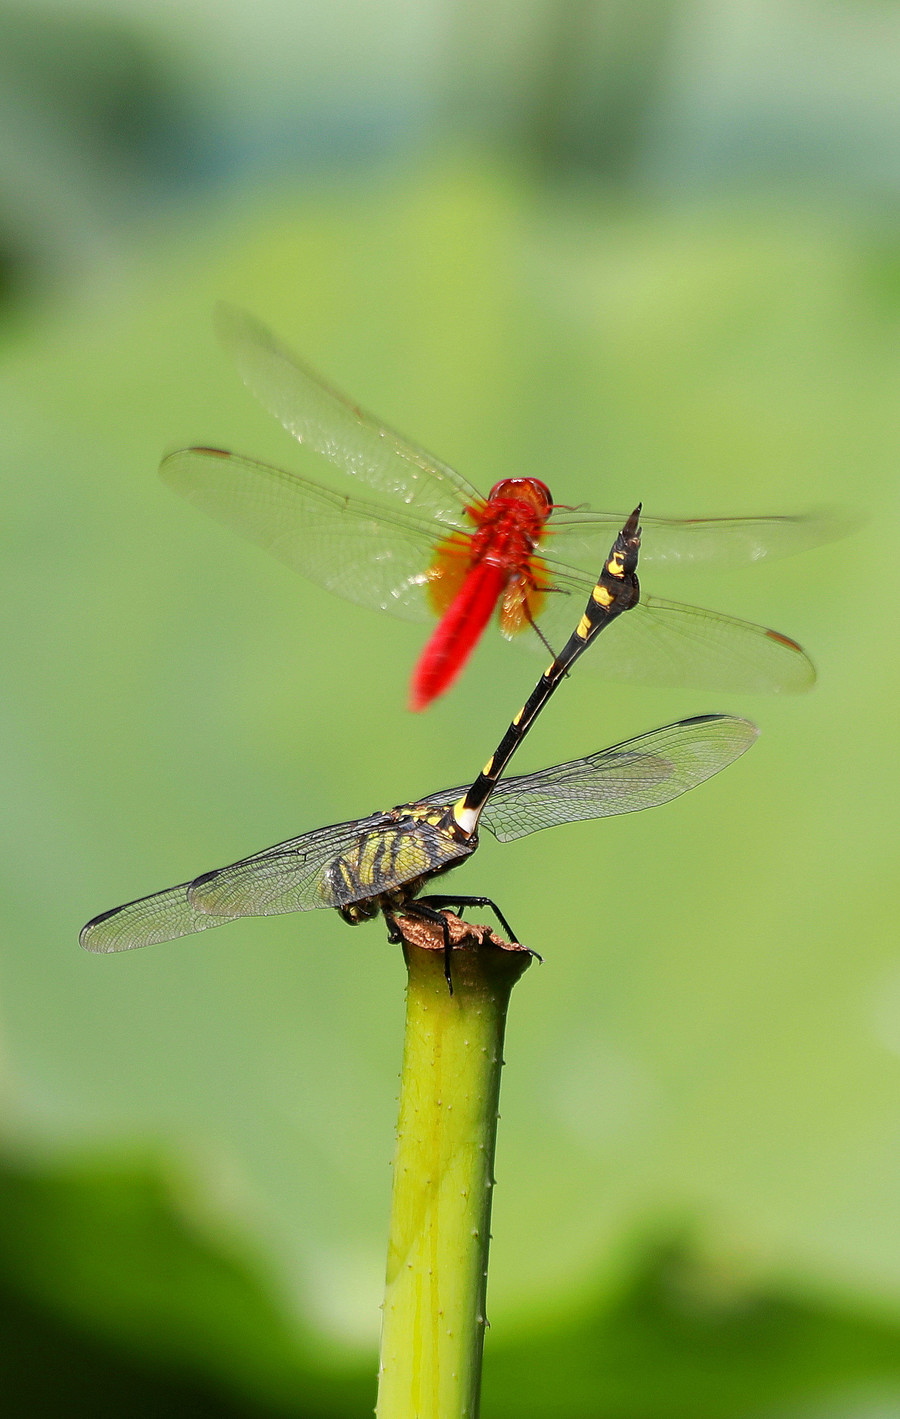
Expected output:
(381, 863)
(445, 550)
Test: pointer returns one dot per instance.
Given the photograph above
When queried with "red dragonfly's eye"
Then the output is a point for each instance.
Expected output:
(527, 489)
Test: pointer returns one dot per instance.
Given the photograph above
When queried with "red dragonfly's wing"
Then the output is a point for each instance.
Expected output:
(369, 555)
(674, 646)
(327, 421)
(379, 558)
(583, 538)
(357, 442)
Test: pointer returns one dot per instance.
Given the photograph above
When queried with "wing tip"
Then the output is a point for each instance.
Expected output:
(177, 454)
(85, 935)
(804, 672)
(196, 886)
(735, 723)
(236, 329)
(228, 317)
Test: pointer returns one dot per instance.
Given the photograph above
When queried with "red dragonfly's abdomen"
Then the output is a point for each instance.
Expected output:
(457, 633)
(470, 574)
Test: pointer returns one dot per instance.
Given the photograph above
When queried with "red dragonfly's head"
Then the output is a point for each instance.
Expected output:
(527, 490)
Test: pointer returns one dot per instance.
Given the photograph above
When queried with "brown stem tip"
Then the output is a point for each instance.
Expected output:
(428, 936)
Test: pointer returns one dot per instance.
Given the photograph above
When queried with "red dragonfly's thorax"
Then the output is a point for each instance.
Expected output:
(509, 524)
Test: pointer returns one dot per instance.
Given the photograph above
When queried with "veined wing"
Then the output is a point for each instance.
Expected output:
(665, 643)
(254, 886)
(372, 556)
(640, 773)
(330, 868)
(160, 917)
(713, 543)
(326, 420)
(378, 557)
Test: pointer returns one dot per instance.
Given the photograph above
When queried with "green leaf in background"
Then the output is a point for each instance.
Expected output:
(113, 1294)
(681, 1340)
(114, 1301)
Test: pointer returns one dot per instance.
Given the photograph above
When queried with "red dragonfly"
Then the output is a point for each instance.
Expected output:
(453, 553)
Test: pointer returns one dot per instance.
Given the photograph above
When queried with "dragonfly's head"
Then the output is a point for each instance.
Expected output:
(355, 912)
(528, 490)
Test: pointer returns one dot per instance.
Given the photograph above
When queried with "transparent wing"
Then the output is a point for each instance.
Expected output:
(327, 421)
(372, 556)
(378, 558)
(296, 877)
(664, 643)
(292, 881)
(319, 416)
(160, 917)
(255, 886)
(713, 543)
(641, 773)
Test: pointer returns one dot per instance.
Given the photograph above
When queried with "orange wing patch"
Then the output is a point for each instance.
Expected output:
(447, 573)
(524, 598)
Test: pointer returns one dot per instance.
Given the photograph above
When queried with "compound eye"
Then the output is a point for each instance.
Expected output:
(540, 490)
(531, 489)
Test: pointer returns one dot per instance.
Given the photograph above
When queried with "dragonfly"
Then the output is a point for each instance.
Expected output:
(445, 550)
(381, 863)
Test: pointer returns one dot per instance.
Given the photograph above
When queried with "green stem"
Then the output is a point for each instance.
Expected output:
(434, 1305)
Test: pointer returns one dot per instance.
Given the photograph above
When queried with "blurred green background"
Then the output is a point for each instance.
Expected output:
(646, 250)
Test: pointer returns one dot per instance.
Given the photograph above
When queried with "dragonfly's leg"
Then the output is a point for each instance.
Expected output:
(462, 902)
(537, 630)
(427, 912)
(557, 590)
